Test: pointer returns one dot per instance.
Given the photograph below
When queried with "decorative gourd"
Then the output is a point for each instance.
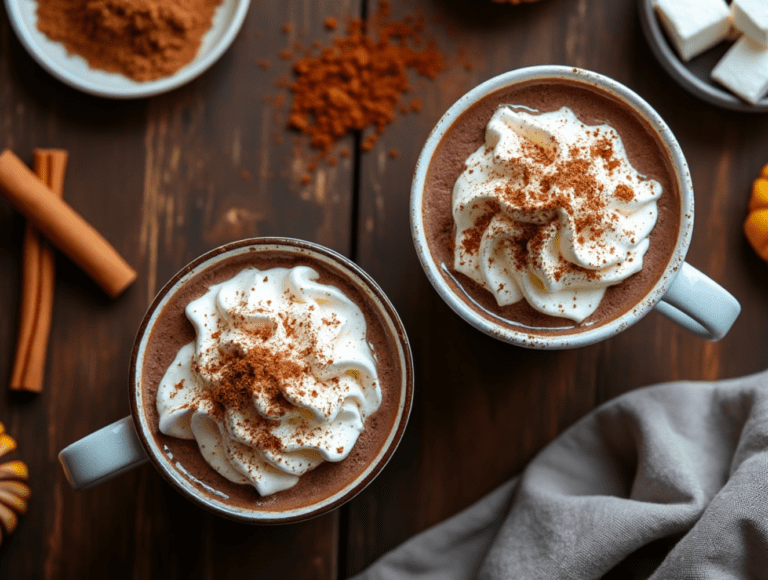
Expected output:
(13, 491)
(756, 224)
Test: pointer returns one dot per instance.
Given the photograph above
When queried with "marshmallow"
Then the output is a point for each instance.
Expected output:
(744, 69)
(751, 17)
(694, 25)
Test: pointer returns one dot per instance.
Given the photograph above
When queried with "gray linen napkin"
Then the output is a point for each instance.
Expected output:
(669, 481)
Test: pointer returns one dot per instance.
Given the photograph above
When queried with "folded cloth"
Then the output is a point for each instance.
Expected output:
(669, 481)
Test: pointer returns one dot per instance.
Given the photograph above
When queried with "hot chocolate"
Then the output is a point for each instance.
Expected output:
(173, 330)
(533, 109)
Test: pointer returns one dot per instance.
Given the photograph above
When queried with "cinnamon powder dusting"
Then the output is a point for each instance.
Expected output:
(473, 236)
(262, 372)
(603, 149)
(561, 183)
(259, 371)
(624, 193)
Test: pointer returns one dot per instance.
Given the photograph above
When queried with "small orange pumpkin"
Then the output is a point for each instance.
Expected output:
(756, 224)
(14, 493)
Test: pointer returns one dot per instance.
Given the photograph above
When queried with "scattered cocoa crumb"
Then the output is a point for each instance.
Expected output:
(356, 83)
(331, 23)
(472, 237)
(624, 193)
(286, 54)
(394, 153)
(265, 64)
(464, 60)
(603, 149)
(245, 174)
(369, 142)
(287, 28)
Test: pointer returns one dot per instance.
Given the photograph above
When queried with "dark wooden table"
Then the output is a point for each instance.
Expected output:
(164, 179)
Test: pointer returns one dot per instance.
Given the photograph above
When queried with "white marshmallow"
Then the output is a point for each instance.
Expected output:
(751, 17)
(744, 69)
(694, 25)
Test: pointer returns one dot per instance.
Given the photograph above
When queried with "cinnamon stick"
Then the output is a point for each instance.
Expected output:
(64, 227)
(37, 285)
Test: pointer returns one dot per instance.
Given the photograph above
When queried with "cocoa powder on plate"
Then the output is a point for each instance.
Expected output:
(141, 39)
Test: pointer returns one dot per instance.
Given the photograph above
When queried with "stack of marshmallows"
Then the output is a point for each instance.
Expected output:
(697, 25)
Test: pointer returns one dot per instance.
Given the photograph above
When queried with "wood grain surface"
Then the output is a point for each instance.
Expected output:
(168, 178)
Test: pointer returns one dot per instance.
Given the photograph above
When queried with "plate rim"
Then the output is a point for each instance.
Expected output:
(144, 89)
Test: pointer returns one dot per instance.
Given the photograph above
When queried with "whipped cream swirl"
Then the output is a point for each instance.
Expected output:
(551, 210)
(280, 378)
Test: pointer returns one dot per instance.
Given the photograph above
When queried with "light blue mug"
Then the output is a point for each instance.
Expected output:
(682, 293)
(129, 442)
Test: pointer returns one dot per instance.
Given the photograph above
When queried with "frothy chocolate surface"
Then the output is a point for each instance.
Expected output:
(172, 331)
(592, 106)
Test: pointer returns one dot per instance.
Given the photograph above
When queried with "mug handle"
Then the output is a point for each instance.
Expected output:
(102, 455)
(699, 304)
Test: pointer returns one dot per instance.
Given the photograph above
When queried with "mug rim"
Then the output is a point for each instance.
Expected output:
(378, 302)
(674, 153)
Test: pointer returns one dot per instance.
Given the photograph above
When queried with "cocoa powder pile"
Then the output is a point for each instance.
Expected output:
(358, 82)
(141, 39)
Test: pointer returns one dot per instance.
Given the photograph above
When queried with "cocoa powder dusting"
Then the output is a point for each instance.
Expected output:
(561, 184)
(141, 39)
(264, 373)
(357, 83)
(603, 149)
(471, 242)
(624, 193)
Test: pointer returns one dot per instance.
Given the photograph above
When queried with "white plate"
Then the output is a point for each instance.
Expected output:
(74, 70)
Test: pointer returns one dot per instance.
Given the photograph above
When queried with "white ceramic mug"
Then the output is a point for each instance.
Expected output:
(682, 293)
(128, 442)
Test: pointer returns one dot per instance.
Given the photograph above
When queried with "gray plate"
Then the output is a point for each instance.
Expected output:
(694, 74)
